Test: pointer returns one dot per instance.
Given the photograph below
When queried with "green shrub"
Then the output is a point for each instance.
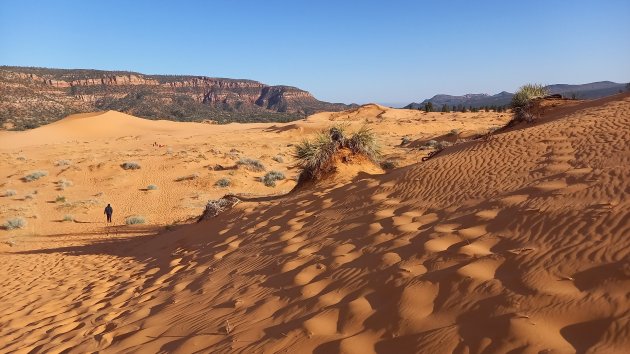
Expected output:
(134, 220)
(14, 223)
(35, 175)
(251, 164)
(131, 165)
(223, 182)
(271, 177)
(315, 157)
(527, 93)
(9, 193)
(152, 187)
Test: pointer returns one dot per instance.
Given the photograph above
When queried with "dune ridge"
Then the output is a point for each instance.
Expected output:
(518, 243)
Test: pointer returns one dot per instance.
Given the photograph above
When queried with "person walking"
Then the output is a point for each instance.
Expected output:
(109, 211)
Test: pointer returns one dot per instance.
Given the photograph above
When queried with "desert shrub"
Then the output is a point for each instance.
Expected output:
(14, 223)
(527, 93)
(278, 158)
(35, 175)
(251, 164)
(388, 165)
(187, 177)
(217, 206)
(60, 199)
(134, 220)
(454, 132)
(271, 177)
(223, 182)
(62, 163)
(131, 165)
(405, 140)
(63, 184)
(9, 193)
(315, 157)
(68, 217)
(152, 187)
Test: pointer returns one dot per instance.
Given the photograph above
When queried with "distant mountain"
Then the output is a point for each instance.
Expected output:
(585, 91)
(36, 96)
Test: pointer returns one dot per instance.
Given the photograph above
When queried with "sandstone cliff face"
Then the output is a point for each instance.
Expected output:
(35, 96)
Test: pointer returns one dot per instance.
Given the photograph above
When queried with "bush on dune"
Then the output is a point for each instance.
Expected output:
(131, 165)
(35, 175)
(251, 164)
(223, 182)
(9, 193)
(316, 157)
(14, 223)
(271, 177)
(134, 220)
(522, 101)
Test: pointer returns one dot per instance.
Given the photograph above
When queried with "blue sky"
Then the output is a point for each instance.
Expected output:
(341, 51)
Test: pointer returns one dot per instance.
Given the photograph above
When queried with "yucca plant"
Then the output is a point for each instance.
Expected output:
(315, 157)
(521, 101)
(527, 93)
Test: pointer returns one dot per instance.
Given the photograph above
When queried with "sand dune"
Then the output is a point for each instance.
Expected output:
(514, 244)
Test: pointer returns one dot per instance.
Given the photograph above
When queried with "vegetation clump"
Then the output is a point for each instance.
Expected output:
(63, 183)
(9, 193)
(316, 157)
(14, 223)
(134, 220)
(60, 163)
(35, 175)
(270, 178)
(251, 164)
(388, 165)
(522, 101)
(68, 217)
(131, 165)
(217, 206)
(152, 187)
(278, 158)
(223, 182)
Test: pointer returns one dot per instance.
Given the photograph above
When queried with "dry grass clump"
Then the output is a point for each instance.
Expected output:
(68, 218)
(14, 223)
(131, 165)
(152, 187)
(35, 175)
(223, 182)
(270, 178)
(63, 183)
(522, 101)
(60, 199)
(135, 220)
(8, 193)
(278, 158)
(316, 157)
(251, 164)
(60, 163)
(217, 206)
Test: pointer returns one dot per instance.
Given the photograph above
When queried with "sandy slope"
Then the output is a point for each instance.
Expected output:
(516, 244)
